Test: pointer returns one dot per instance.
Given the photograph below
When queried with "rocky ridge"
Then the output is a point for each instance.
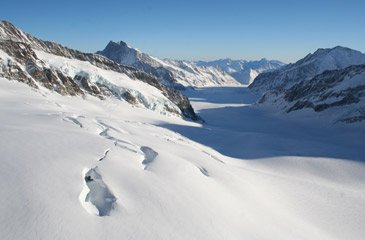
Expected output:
(19, 61)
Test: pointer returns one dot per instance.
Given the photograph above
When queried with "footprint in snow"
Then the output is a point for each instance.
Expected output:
(204, 171)
(73, 120)
(96, 197)
(149, 155)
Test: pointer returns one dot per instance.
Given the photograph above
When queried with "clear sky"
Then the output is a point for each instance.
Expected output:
(196, 30)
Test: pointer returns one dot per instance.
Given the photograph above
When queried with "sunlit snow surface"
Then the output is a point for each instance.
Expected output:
(246, 174)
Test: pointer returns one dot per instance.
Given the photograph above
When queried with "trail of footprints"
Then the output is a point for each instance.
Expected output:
(96, 197)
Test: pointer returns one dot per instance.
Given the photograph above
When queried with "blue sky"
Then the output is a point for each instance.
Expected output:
(196, 30)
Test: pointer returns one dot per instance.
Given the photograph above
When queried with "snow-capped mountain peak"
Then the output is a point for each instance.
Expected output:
(313, 64)
(334, 58)
(121, 52)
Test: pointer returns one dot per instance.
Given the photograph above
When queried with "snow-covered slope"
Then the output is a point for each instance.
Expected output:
(171, 73)
(88, 169)
(307, 68)
(69, 72)
(243, 71)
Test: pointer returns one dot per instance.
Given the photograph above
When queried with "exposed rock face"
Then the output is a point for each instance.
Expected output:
(171, 73)
(11, 70)
(34, 71)
(20, 62)
(84, 81)
(341, 91)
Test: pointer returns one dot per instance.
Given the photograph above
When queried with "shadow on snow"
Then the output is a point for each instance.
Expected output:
(248, 132)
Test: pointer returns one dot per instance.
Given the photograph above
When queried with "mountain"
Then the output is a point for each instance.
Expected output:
(330, 82)
(343, 89)
(243, 71)
(308, 67)
(70, 72)
(171, 73)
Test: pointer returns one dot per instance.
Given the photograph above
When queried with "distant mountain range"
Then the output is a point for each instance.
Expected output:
(330, 81)
(243, 71)
(170, 72)
(188, 73)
